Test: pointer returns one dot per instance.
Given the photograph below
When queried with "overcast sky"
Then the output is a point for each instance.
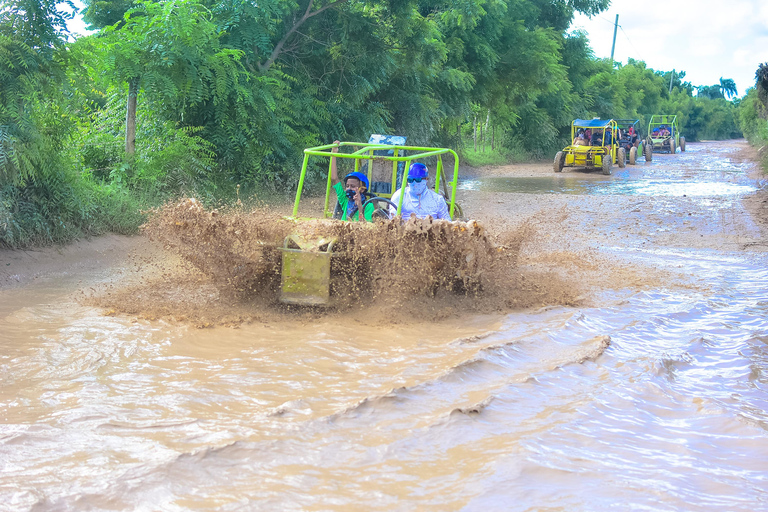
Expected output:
(707, 39)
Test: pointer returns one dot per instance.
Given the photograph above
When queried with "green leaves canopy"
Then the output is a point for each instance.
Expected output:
(173, 49)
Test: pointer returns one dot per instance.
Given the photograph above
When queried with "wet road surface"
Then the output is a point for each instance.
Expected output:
(643, 399)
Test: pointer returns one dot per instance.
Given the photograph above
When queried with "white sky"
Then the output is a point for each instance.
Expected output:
(76, 26)
(707, 39)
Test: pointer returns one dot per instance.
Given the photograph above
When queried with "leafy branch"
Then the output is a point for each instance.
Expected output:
(308, 13)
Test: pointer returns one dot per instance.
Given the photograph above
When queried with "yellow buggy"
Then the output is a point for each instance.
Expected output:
(593, 146)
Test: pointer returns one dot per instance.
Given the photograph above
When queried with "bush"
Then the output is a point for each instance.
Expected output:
(753, 121)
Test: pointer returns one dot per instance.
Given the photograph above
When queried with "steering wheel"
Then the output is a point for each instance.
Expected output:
(380, 207)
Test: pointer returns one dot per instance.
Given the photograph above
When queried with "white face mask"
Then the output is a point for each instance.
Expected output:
(418, 188)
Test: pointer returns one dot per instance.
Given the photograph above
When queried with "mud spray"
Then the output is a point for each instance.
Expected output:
(223, 267)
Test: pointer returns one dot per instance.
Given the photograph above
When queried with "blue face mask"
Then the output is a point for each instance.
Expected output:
(417, 189)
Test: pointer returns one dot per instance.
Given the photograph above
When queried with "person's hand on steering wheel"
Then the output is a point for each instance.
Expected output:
(359, 204)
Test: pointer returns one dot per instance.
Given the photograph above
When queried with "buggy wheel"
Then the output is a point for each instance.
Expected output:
(682, 144)
(648, 152)
(622, 157)
(632, 155)
(559, 162)
(606, 164)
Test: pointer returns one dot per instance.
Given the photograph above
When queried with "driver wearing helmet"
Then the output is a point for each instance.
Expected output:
(351, 193)
(419, 200)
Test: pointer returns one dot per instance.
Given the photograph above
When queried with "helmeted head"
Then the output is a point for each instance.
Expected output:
(417, 171)
(355, 180)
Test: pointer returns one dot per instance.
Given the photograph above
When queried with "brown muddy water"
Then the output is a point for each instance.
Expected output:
(642, 392)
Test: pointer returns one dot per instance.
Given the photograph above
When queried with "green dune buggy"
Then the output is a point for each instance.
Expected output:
(306, 254)
(664, 135)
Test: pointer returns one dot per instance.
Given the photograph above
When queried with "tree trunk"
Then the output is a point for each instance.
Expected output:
(130, 117)
(493, 137)
(474, 132)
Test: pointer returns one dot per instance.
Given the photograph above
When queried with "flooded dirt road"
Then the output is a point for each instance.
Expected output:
(647, 389)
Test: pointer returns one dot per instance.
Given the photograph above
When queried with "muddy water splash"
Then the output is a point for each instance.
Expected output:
(421, 256)
(228, 267)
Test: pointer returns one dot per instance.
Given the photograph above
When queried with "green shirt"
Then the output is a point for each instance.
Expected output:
(341, 194)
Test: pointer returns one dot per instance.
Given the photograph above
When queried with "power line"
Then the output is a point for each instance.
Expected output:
(637, 52)
(606, 19)
(632, 45)
(625, 35)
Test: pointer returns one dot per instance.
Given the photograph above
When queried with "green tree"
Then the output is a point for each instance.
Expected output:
(753, 120)
(725, 88)
(40, 24)
(42, 198)
(172, 51)
(102, 13)
(31, 35)
(761, 82)
(728, 87)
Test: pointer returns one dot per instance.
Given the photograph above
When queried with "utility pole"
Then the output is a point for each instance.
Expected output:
(613, 46)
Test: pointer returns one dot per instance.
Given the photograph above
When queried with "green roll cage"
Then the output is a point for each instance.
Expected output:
(664, 120)
(366, 152)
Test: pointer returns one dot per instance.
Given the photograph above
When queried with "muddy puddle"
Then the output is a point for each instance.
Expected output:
(702, 171)
(616, 185)
(636, 379)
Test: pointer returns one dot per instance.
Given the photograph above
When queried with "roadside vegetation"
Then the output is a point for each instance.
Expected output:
(217, 100)
(753, 114)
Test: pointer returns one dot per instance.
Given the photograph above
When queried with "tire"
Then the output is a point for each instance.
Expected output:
(632, 155)
(648, 150)
(671, 146)
(622, 158)
(606, 164)
(559, 162)
(682, 144)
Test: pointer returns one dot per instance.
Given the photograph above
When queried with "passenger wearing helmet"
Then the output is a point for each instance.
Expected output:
(351, 193)
(633, 138)
(419, 200)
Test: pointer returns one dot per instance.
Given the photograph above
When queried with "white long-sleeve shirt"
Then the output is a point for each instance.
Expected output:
(428, 203)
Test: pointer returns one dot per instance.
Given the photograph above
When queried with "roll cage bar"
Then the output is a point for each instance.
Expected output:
(365, 151)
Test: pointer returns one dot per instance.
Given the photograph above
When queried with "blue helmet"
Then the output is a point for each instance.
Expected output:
(418, 170)
(360, 176)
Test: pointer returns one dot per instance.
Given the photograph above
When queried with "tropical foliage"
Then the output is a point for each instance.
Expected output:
(203, 97)
(753, 114)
